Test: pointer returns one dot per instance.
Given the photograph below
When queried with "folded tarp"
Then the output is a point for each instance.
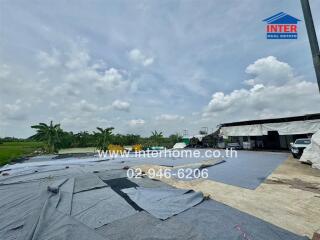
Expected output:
(47, 222)
(98, 207)
(163, 202)
(17, 202)
(49, 208)
(149, 183)
(111, 174)
(39, 210)
(87, 181)
(207, 220)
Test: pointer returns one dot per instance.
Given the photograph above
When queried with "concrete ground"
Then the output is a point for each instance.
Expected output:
(288, 198)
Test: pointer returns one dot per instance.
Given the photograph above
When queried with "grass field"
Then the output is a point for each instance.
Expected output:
(12, 150)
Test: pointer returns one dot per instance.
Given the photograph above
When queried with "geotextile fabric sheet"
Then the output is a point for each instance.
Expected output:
(162, 202)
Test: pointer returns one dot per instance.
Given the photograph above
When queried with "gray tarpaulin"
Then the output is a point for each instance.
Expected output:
(17, 202)
(149, 183)
(116, 173)
(30, 211)
(87, 181)
(55, 202)
(143, 226)
(40, 173)
(66, 195)
(202, 164)
(176, 231)
(100, 206)
(194, 170)
(248, 170)
(131, 227)
(215, 220)
(46, 222)
(162, 202)
(207, 220)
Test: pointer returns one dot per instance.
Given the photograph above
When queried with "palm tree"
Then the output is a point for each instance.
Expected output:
(50, 134)
(156, 137)
(156, 134)
(104, 136)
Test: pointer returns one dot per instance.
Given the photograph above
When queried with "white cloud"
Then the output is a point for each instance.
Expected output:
(111, 79)
(78, 58)
(83, 106)
(87, 107)
(269, 71)
(268, 99)
(49, 59)
(13, 111)
(4, 71)
(65, 89)
(137, 56)
(121, 105)
(169, 117)
(136, 122)
(76, 70)
(53, 104)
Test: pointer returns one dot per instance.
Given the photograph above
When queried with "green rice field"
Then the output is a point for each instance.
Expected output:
(12, 150)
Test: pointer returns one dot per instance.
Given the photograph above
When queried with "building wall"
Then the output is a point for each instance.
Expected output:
(262, 142)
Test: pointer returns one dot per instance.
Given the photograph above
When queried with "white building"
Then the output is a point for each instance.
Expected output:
(276, 133)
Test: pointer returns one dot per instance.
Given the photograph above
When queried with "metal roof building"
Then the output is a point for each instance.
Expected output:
(271, 133)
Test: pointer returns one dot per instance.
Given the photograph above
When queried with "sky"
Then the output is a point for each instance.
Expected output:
(139, 66)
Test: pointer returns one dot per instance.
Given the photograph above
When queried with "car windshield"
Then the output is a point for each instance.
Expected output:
(302, 141)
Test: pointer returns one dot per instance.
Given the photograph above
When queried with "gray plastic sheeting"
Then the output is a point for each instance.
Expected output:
(215, 220)
(248, 170)
(30, 211)
(86, 182)
(49, 209)
(132, 227)
(162, 202)
(143, 226)
(149, 183)
(208, 220)
(100, 206)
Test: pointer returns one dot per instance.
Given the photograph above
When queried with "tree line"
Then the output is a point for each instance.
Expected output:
(55, 138)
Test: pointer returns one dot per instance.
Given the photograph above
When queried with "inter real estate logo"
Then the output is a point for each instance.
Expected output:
(282, 26)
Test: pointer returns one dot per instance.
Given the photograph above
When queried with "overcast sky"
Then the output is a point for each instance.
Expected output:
(150, 65)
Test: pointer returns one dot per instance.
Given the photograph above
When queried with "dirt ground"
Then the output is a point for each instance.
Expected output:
(288, 198)
(77, 150)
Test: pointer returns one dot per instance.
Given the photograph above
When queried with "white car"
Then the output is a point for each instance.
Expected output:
(298, 146)
(235, 146)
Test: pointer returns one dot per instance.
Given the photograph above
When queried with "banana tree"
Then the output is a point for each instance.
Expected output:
(104, 137)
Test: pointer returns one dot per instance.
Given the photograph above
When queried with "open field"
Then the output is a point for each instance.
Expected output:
(12, 150)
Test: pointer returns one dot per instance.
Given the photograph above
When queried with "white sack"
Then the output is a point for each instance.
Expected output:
(311, 153)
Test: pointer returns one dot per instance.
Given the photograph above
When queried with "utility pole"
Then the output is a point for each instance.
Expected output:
(312, 37)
